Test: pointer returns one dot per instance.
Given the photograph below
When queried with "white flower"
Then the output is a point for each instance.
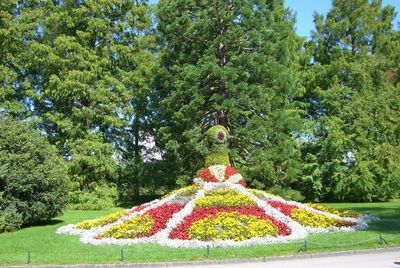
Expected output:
(218, 171)
(162, 237)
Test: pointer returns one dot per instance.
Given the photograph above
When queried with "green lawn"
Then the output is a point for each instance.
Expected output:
(47, 247)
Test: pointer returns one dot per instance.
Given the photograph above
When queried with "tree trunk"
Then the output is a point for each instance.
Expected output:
(136, 150)
(222, 117)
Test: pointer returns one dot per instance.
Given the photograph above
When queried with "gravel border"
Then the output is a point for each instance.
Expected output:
(227, 261)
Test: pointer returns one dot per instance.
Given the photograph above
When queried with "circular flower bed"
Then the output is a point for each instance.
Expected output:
(215, 213)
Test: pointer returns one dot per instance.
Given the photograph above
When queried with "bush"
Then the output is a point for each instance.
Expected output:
(33, 185)
(10, 219)
(286, 193)
(102, 196)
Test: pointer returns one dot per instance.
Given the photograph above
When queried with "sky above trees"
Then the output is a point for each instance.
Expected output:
(305, 9)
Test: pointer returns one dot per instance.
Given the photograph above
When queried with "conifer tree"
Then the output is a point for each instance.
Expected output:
(229, 63)
(353, 105)
(83, 69)
(11, 95)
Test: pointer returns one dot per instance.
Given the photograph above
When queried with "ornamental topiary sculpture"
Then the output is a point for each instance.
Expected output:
(217, 164)
(216, 139)
(216, 210)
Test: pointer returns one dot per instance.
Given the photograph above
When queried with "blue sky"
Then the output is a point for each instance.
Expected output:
(304, 10)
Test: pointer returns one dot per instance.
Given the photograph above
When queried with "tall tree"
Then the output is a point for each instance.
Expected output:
(85, 67)
(229, 63)
(352, 105)
(11, 93)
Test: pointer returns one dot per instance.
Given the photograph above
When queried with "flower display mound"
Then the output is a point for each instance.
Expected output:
(219, 173)
(215, 213)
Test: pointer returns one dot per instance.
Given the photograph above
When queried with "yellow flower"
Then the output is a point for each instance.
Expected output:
(231, 226)
(130, 228)
(187, 191)
(224, 198)
(337, 211)
(312, 219)
(88, 224)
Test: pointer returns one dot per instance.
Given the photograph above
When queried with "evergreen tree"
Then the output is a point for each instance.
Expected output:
(11, 93)
(229, 63)
(33, 182)
(83, 72)
(352, 105)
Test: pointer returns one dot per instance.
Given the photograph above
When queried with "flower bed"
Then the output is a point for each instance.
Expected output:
(337, 211)
(311, 219)
(231, 226)
(140, 225)
(224, 198)
(219, 173)
(143, 225)
(217, 213)
(88, 224)
(198, 214)
(285, 208)
(308, 218)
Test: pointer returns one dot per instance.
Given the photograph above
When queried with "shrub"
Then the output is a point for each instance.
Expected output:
(10, 219)
(286, 193)
(102, 196)
(33, 185)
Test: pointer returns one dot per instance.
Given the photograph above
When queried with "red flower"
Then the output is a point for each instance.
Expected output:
(182, 230)
(282, 207)
(140, 208)
(161, 215)
(206, 175)
(229, 171)
(221, 135)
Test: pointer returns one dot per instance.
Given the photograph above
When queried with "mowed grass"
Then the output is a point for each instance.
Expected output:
(46, 247)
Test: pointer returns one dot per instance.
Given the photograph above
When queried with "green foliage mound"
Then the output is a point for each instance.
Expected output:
(286, 193)
(216, 138)
(102, 196)
(33, 187)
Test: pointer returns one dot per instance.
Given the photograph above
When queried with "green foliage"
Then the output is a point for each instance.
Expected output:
(10, 219)
(100, 197)
(217, 154)
(286, 193)
(217, 136)
(217, 158)
(92, 78)
(50, 248)
(229, 63)
(147, 179)
(353, 106)
(183, 181)
(33, 185)
(10, 47)
(80, 72)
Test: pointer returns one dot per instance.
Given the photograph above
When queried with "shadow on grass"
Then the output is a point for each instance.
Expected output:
(389, 219)
(45, 223)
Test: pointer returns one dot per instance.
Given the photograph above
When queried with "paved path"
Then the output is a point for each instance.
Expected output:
(370, 260)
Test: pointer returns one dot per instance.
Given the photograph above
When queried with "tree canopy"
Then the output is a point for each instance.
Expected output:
(230, 63)
(126, 92)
